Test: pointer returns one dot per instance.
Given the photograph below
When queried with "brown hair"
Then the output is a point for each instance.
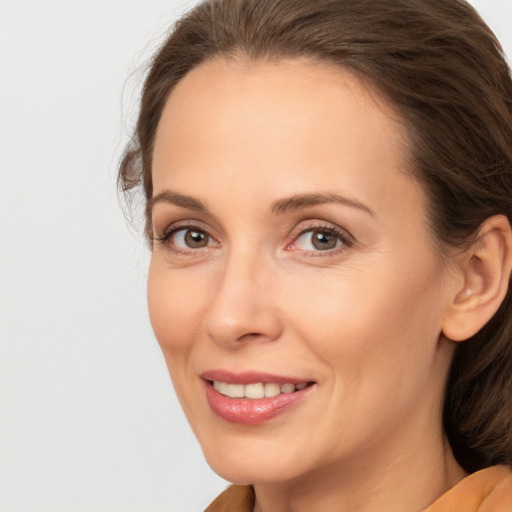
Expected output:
(444, 70)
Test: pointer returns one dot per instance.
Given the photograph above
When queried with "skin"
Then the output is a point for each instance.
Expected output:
(363, 320)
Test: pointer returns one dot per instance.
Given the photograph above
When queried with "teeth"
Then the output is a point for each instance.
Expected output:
(236, 390)
(221, 387)
(257, 390)
(272, 390)
(287, 388)
(254, 391)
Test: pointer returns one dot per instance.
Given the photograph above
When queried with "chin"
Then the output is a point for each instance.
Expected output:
(259, 463)
(246, 473)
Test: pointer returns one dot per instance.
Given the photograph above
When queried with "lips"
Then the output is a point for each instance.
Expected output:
(252, 398)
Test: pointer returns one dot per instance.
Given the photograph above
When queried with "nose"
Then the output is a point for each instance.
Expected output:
(243, 306)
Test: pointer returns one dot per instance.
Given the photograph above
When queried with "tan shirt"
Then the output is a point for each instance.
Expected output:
(489, 490)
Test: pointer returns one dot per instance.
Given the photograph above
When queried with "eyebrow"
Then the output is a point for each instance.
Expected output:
(300, 201)
(280, 206)
(171, 197)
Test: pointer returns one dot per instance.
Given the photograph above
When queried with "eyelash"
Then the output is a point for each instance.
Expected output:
(165, 239)
(343, 236)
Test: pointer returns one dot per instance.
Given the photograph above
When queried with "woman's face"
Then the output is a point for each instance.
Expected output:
(292, 247)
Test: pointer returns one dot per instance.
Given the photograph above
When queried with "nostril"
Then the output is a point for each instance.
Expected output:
(251, 336)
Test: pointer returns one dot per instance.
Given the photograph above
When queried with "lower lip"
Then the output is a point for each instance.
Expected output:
(248, 411)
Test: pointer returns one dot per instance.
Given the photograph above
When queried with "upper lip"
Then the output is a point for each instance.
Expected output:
(249, 377)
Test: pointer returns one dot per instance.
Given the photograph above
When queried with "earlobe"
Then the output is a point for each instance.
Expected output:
(487, 266)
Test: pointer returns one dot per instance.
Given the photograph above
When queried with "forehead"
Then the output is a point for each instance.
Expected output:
(287, 126)
(228, 94)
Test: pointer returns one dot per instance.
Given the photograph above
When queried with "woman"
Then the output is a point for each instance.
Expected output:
(328, 188)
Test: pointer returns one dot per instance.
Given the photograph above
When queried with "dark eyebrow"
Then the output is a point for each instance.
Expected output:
(279, 206)
(171, 197)
(300, 201)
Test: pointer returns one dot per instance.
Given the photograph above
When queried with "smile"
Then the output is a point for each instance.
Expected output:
(257, 390)
(253, 398)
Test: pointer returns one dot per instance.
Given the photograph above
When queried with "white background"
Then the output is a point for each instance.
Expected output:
(88, 418)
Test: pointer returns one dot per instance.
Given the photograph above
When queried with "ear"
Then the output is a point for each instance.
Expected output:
(486, 269)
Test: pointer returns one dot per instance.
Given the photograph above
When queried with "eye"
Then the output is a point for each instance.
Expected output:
(321, 239)
(186, 238)
(190, 238)
(317, 240)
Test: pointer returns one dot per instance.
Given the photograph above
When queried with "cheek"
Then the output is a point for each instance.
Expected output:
(381, 318)
(176, 303)
(376, 337)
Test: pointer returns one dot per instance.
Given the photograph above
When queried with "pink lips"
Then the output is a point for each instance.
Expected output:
(247, 411)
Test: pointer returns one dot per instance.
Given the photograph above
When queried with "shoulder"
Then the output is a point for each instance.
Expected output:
(489, 490)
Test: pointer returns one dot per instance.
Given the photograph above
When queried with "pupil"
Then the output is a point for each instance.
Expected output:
(323, 240)
(195, 239)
